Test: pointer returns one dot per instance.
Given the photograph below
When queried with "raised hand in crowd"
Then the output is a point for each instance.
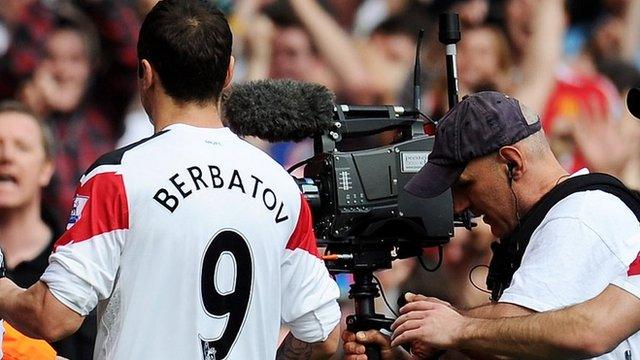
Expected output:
(259, 47)
(601, 141)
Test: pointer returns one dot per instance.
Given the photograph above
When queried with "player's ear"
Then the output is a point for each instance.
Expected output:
(145, 74)
(227, 80)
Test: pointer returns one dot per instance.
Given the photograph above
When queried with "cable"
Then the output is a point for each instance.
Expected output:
(515, 201)
(298, 164)
(471, 278)
(427, 117)
(440, 258)
(384, 297)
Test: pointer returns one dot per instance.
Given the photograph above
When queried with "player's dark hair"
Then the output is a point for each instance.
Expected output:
(188, 43)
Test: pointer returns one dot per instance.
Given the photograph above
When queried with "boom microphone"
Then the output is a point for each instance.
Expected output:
(278, 110)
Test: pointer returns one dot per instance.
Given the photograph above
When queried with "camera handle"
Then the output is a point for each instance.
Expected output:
(363, 292)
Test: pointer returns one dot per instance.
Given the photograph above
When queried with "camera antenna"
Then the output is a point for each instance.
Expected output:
(418, 129)
(417, 91)
(449, 34)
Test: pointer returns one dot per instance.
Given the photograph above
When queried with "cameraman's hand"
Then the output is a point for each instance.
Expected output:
(428, 323)
(421, 349)
(411, 297)
(354, 345)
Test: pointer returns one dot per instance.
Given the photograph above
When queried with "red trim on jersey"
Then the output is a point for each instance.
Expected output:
(634, 268)
(105, 210)
(303, 236)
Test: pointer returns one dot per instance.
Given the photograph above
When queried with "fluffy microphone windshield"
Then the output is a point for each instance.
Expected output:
(278, 110)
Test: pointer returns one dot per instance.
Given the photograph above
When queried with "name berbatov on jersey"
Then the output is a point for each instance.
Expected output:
(194, 179)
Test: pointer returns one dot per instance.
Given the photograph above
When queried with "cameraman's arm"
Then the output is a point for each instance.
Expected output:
(294, 349)
(493, 311)
(419, 327)
(585, 330)
(496, 310)
(432, 323)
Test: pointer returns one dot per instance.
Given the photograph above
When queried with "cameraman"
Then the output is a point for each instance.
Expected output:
(493, 154)
(587, 329)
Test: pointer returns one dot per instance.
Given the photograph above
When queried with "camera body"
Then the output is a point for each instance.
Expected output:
(362, 214)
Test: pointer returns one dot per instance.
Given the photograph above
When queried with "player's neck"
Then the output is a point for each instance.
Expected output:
(168, 112)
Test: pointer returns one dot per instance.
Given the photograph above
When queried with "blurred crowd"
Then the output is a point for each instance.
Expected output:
(68, 73)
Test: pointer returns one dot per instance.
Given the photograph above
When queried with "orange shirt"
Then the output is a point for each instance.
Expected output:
(17, 346)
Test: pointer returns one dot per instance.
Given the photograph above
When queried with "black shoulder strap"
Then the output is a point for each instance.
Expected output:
(507, 254)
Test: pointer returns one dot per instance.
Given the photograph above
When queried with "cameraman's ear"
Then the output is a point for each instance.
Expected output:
(227, 80)
(514, 160)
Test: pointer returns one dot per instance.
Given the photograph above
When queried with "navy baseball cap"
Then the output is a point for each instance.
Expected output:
(478, 125)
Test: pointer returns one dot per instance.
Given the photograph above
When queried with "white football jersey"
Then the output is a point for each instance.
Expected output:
(194, 245)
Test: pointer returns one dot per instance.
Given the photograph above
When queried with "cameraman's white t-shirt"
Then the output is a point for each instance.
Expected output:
(631, 280)
(585, 242)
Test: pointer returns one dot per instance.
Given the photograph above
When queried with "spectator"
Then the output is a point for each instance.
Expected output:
(26, 167)
(27, 229)
(82, 95)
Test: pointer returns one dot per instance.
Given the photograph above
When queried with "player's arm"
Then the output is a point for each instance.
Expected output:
(309, 295)
(36, 312)
(292, 348)
(82, 269)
